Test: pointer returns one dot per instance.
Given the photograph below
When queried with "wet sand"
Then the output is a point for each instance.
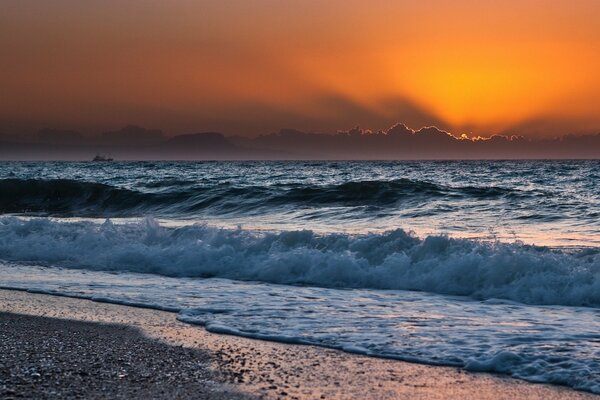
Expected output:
(79, 348)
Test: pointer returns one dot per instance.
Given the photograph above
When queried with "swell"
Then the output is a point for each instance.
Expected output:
(67, 197)
(392, 260)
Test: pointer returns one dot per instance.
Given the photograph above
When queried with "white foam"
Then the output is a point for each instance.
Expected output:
(392, 260)
(554, 344)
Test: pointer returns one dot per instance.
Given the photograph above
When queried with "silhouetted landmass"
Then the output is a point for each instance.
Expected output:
(201, 142)
(397, 143)
(401, 142)
(207, 145)
(132, 135)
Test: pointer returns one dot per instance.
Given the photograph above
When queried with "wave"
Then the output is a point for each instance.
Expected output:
(391, 260)
(67, 197)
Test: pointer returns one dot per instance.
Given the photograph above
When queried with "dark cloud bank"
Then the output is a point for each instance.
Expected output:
(397, 143)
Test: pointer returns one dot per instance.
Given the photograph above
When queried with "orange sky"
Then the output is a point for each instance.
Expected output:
(248, 67)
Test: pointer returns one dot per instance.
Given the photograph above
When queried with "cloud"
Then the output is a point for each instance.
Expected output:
(325, 113)
(398, 141)
(321, 113)
(551, 126)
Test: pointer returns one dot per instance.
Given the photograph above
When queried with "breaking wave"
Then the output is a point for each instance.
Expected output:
(67, 197)
(391, 260)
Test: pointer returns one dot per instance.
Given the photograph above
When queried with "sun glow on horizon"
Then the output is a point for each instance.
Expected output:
(520, 67)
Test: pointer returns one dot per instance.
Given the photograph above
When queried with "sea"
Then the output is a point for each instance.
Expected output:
(484, 265)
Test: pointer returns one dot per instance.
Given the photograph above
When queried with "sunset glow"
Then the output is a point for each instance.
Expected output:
(254, 67)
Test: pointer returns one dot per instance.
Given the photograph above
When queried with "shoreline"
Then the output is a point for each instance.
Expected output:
(237, 367)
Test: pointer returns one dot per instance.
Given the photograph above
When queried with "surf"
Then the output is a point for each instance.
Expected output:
(390, 260)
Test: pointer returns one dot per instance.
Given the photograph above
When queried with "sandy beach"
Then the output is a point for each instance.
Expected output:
(64, 347)
(54, 358)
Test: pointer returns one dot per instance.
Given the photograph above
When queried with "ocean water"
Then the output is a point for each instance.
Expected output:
(489, 266)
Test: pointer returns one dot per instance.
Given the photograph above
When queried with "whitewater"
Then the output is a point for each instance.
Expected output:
(489, 266)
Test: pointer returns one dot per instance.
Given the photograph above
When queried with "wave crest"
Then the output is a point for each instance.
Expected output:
(67, 197)
(64, 197)
(392, 260)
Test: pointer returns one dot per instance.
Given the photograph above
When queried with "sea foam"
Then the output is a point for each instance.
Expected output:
(391, 260)
(553, 344)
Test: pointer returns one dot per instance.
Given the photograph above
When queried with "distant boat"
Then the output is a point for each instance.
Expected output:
(102, 158)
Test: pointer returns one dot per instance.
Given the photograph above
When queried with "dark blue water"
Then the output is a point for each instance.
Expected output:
(554, 203)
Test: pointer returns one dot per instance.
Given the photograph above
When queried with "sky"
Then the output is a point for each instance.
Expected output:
(252, 67)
